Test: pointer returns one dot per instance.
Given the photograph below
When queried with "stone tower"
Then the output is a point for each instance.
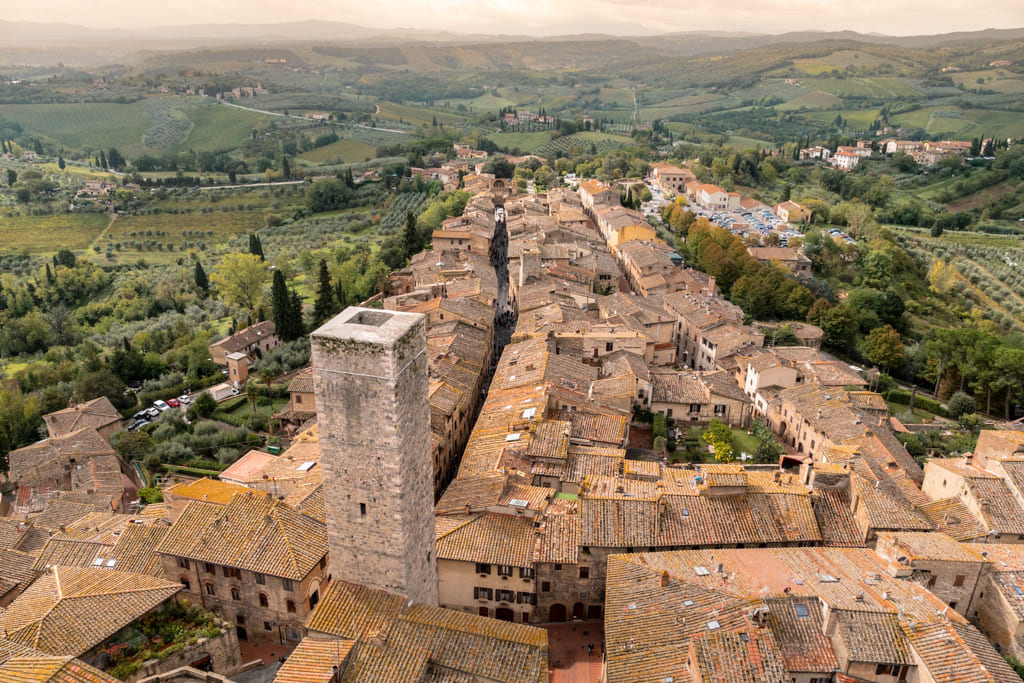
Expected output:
(373, 411)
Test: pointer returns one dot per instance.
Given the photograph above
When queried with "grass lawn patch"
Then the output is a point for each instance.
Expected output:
(239, 409)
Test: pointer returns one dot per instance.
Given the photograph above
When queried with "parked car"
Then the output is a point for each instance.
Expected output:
(141, 415)
(185, 399)
(160, 405)
(234, 392)
(174, 403)
(152, 412)
(138, 424)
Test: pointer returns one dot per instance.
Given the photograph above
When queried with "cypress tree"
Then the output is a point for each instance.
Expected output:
(410, 240)
(60, 163)
(202, 282)
(256, 246)
(298, 327)
(324, 306)
(286, 168)
(281, 307)
(339, 294)
(103, 160)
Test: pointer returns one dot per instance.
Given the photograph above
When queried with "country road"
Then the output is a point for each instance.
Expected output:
(303, 118)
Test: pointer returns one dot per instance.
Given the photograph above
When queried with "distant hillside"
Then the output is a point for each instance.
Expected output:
(37, 35)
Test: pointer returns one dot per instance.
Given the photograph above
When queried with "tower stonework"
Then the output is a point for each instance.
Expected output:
(373, 412)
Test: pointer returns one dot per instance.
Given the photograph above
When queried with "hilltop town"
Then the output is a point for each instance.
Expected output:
(549, 449)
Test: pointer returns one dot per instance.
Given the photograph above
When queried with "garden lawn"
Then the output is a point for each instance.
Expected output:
(239, 408)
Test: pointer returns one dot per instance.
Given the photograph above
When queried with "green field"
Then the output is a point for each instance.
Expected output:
(44, 234)
(815, 99)
(82, 126)
(486, 102)
(525, 142)
(220, 127)
(863, 87)
(342, 151)
(162, 237)
(964, 123)
(137, 127)
(417, 116)
(859, 119)
(740, 142)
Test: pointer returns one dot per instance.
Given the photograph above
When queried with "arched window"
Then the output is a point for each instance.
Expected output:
(291, 605)
(185, 582)
(210, 590)
(263, 600)
(235, 594)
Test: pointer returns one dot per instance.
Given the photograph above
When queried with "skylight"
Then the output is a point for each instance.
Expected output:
(701, 571)
(801, 611)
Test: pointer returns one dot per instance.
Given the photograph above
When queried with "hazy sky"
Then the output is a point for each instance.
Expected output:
(547, 17)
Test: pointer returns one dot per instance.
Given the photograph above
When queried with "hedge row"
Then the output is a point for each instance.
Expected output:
(927, 403)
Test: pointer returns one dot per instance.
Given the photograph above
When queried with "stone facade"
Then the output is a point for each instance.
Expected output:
(239, 597)
(370, 377)
(563, 593)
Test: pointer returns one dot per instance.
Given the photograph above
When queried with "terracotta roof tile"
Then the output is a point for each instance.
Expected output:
(69, 610)
(253, 532)
(490, 538)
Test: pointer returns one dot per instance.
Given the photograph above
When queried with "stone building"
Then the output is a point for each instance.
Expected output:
(256, 561)
(99, 413)
(370, 377)
(950, 570)
(485, 565)
(253, 340)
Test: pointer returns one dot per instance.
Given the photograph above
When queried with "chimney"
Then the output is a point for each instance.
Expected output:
(663, 579)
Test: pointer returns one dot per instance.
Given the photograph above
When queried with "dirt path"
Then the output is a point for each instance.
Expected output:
(113, 217)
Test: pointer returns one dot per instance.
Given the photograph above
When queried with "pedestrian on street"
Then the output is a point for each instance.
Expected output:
(590, 648)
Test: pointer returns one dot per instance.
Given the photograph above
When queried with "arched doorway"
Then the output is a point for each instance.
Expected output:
(242, 633)
(505, 614)
(594, 612)
(577, 610)
(556, 613)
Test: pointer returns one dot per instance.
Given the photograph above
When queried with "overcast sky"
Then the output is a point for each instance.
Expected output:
(548, 17)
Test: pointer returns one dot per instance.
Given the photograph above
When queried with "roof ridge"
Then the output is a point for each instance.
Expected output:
(275, 516)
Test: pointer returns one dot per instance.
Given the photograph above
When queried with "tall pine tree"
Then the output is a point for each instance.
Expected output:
(324, 306)
(202, 282)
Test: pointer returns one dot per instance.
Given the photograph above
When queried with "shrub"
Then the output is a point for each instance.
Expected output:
(925, 403)
(659, 429)
(959, 404)
(151, 494)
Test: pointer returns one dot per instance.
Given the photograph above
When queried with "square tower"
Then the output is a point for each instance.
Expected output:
(373, 412)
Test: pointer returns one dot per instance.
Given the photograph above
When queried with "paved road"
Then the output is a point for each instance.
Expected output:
(303, 118)
(504, 316)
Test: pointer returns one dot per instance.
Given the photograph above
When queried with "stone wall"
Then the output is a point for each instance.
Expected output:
(222, 651)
